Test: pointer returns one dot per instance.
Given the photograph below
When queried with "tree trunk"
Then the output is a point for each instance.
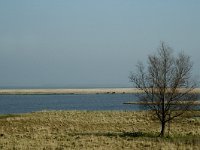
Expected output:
(162, 132)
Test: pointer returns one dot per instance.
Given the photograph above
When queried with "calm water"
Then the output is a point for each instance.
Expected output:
(29, 103)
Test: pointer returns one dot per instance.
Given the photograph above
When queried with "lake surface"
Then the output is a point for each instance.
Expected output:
(10, 104)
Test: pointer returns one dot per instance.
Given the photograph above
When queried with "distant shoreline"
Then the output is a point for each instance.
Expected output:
(74, 91)
(68, 91)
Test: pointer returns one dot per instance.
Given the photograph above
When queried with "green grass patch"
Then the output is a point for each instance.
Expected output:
(8, 116)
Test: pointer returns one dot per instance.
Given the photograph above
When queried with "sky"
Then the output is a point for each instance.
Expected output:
(90, 43)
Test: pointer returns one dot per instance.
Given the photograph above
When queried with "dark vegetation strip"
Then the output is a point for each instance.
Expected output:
(149, 103)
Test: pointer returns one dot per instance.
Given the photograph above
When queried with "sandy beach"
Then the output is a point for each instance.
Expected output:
(75, 91)
(71, 91)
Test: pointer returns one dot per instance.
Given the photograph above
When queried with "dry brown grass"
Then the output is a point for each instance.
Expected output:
(95, 130)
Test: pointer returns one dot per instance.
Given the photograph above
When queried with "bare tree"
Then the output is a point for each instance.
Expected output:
(167, 84)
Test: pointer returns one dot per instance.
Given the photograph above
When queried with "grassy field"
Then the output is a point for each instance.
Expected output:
(95, 130)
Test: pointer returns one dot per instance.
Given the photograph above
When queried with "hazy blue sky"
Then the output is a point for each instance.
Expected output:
(77, 43)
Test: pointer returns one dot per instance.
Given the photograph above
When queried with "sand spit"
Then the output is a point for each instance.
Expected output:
(69, 91)
(75, 91)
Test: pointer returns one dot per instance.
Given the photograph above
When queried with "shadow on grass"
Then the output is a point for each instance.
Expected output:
(117, 134)
(187, 139)
(139, 134)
